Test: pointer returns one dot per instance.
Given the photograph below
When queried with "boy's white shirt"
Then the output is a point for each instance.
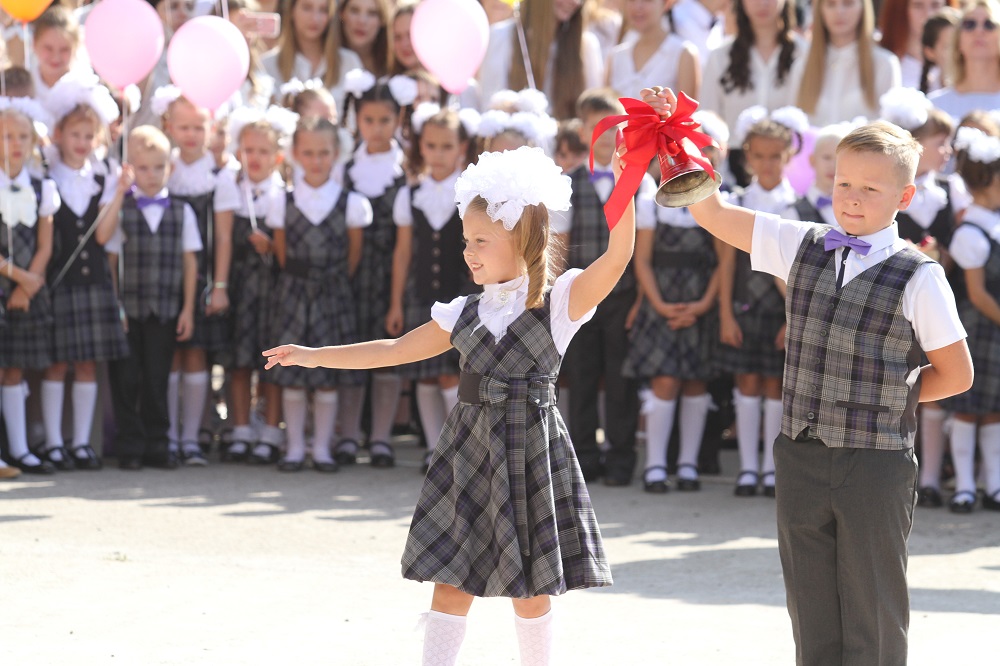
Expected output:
(435, 198)
(928, 302)
(153, 215)
(969, 248)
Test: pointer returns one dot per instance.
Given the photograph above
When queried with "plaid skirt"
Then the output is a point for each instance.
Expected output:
(758, 355)
(372, 285)
(251, 283)
(88, 324)
(210, 333)
(26, 339)
(657, 351)
(504, 509)
(984, 346)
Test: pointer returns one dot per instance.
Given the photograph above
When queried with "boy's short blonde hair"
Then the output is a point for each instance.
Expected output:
(884, 138)
(600, 101)
(148, 139)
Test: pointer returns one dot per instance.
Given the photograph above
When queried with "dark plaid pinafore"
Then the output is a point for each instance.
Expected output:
(504, 510)
(26, 339)
(683, 262)
(312, 302)
(210, 333)
(84, 303)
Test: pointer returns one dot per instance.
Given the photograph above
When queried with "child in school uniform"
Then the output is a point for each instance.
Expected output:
(27, 205)
(816, 205)
(375, 170)
(88, 325)
(862, 305)
(318, 235)
(975, 247)
(157, 239)
(504, 509)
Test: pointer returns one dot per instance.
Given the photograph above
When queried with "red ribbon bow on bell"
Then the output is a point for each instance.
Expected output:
(648, 135)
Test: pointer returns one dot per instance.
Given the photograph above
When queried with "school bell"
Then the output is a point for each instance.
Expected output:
(682, 180)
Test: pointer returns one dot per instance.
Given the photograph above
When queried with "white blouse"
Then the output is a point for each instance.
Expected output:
(303, 70)
(197, 178)
(660, 69)
(238, 195)
(502, 303)
(50, 200)
(317, 202)
(969, 248)
(694, 23)
(78, 186)
(435, 198)
(373, 173)
(957, 104)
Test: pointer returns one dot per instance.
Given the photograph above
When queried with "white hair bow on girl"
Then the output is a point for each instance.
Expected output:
(537, 129)
(295, 86)
(164, 97)
(27, 107)
(791, 117)
(979, 146)
(529, 100)
(281, 120)
(74, 90)
(469, 118)
(402, 88)
(358, 81)
(905, 107)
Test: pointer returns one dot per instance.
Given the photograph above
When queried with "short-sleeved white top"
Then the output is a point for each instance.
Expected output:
(237, 195)
(317, 202)
(970, 248)
(50, 200)
(77, 186)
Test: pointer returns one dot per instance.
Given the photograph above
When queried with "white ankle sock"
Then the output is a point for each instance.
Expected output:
(772, 428)
(351, 406)
(12, 406)
(385, 400)
(748, 430)
(194, 394)
(324, 419)
(931, 446)
(241, 438)
(173, 405)
(293, 402)
(989, 448)
(694, 411)
(963, 454)
(268, 435)
(84, 405)
(659, 422)
(443, 636)
(52, 411)
(430, 404)
(534, 639)
(450, 396)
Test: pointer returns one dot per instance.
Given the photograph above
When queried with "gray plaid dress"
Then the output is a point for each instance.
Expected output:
(251, 281)
(683, 262)
(760, 313)
(504, 510)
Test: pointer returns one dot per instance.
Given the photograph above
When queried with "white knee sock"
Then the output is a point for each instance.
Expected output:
(443, 636)
(450, 397)
(194, 394)
(430, 404)
(694, 411)
(293, 402)
(12, 406)
(52, 412)
(772, 428)
(173, 406)
(385, 401)
(659, 423)
(748, 430)
(534, 639)
(324, 419)
(989, 447)
(931, 446)
(963, 454)
(351, 405)
(84, 405)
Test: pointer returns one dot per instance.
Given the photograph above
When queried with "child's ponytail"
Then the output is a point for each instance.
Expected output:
(533, 243)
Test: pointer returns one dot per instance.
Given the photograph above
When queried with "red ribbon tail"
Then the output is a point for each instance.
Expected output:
(625, 189)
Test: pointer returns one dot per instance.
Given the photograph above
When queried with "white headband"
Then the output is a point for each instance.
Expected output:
(72, 91)
(402, 88)
(905, 107)
(791, 117)
(27, 107)
(281, 120)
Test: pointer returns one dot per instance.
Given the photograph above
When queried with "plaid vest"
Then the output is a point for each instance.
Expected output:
(588, 237)
(849, 353)
(152, 282)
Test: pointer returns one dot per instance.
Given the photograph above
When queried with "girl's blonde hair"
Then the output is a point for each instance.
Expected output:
(815, 69)
(81, 113)
(957, 66)
(288, 44)
(58, 18)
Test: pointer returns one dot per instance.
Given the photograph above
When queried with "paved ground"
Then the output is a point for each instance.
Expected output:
(237, 565)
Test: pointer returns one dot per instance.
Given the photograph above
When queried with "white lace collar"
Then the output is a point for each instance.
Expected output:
(192, 179)
(373, 173)
(504, 301)
(436, 198)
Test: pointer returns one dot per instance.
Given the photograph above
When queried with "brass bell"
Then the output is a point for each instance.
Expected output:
(682, 180)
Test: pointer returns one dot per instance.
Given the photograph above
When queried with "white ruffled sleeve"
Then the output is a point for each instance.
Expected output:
(564, 328)
(446, 314)
(50, 200)
(359, 211)
(401, 213)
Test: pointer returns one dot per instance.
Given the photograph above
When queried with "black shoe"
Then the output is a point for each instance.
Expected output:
(227, 454)
(286, 465)
(688, 484)
(382, 455)
(346, 452)
(592, 471)
(992, 502)
(270, 458)
(166, 460)
(58, 456)
(130, 463)
(656, 487)
(328, 467)
(963, 501)
(89, 460)
(41, 467)
(930, 497)
(617, 479)
(744, 489)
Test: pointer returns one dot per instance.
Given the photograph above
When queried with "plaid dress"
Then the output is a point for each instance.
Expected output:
(504, 509)
(251, 279)
(210, 333)
(312, 302)
(683, 262)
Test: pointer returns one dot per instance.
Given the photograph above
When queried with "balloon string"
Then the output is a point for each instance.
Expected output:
(27, 45)
(524, 45)
(224, 6)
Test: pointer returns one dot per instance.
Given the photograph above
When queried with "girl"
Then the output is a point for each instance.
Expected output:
(260, 138)
(26, 208)
(426, 265)
(504, 510)
(672, 340)
(318, 234)
(977, 252)
(974, 81)
(939, 32)
(375, 171)
(193, 179)
(753, 68)
(84, 302)
(404, 58)
(364, 29)
(844, 73)
(751, 307)
(901, 23)
(654, 55)
(309, 47)
(56, 41)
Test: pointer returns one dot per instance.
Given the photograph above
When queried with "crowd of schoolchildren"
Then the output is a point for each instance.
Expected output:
(317, 207)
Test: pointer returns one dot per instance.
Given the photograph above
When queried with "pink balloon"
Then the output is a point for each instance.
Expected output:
(208, 59)
(124, 40)
(799, 172)
(450, 38)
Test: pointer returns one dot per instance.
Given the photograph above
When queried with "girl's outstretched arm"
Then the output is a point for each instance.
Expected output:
(419, 344)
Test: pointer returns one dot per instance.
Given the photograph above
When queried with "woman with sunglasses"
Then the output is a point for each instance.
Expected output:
(975, 67)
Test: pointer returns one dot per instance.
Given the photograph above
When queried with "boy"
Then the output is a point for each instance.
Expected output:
(816, 205)
(158, 238)
(860, 309)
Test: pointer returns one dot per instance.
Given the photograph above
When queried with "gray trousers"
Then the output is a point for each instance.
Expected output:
(844, 516)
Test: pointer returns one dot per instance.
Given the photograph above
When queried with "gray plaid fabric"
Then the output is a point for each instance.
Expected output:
(153, 279)
(683, 261)
(806, 211)
(942, 227)
(316, 310)
(251, 281)
(210, 333)
(588, 235)
(760, 314)
(984, 345)
(850, 352)
(504, 510)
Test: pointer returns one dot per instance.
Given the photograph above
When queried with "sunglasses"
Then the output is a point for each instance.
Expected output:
(968, 25)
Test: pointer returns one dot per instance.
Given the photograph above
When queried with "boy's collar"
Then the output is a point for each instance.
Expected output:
(878, 240)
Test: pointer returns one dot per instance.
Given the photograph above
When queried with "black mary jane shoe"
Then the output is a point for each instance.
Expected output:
(992, 502)
(286, 465)
(58, 456)
(227, 454)
(86, 458)
(768, 488)
(272, 456)
(346, 452)
(656, 487)
(326, 467)
(688, 484)
(744, 489)
(964, 501)
(41, 467)
(382, 455)
(929, 497)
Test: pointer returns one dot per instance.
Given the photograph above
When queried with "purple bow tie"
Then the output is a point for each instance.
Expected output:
(602, 173)
(835, 239)
(823, 202)
(143, 202)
